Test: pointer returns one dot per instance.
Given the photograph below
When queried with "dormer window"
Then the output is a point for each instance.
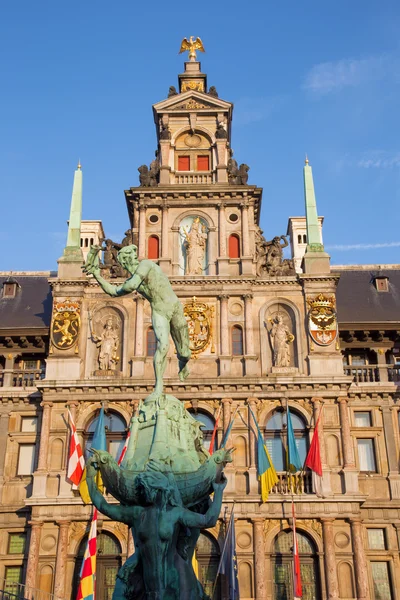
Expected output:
(10, 287)
(382, 284)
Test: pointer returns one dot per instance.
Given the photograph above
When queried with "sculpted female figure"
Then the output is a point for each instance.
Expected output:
(108, 343)
(281, 338)
(195, 244)
(158, 570)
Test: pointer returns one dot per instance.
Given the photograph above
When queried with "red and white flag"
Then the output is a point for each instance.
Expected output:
(313, 460)
(76, 462)
(214, 433)
(125, 448)
(297, 586)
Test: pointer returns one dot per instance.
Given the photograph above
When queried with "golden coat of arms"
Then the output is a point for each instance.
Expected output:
(322, 319)
(199, 317)
(65, 324)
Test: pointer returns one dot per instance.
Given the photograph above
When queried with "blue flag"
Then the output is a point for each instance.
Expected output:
(99, 438)
(294, 463)
(229, 566)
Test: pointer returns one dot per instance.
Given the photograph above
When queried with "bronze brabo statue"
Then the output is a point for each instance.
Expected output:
(164, 483)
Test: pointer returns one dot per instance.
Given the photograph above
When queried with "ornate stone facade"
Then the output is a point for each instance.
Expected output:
(241, 362)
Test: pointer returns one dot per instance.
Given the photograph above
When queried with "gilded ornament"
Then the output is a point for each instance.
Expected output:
(65, 324)
(191, 45)
(192, 85)
(199, 317)
(322, 319)
(193, 105)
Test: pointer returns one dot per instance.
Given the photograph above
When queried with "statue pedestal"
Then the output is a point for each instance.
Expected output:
(107, 373)
(284, 370)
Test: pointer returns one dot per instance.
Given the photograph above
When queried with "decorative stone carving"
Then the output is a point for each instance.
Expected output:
(165, 133)
(195, 242)
(199, 317)
(213, 91)
(269, 256)
(281, 338)
(172, 91)
(237, 175)
(110, 266)
(105, 329)
(149, 177)
(66, 323)
(313, 525)
(322, 319)
(221, 133)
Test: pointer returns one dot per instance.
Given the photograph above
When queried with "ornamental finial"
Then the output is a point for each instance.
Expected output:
(306, 161)
(191, 45)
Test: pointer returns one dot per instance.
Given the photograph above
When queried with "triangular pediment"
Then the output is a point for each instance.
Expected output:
(192, 101)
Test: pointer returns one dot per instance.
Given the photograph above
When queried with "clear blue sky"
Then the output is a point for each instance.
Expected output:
(78, 80)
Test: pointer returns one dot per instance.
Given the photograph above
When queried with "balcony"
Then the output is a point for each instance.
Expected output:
(374, 373)
(194, 177)
(297, 484)
(26, 378)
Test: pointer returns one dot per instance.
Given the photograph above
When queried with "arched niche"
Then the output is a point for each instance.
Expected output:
(292, 320)
(185, 130)
(240, 458)
(207, 554)
(346, 580)
(46, 580)
(332, 450)
(245, 580)
(56, 454)
(193, 255)
(106, 345)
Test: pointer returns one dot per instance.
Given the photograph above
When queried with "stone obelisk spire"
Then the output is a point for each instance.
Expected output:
(316, 260)
(72, 258)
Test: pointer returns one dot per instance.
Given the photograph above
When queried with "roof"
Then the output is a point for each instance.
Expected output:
(358, 300)
(31, 306)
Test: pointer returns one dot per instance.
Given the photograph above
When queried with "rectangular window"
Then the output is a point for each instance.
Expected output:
(362, 419)
(376, 539)
(276, 452)
(13, 577)
(203, 163)
(29, 424)
(183, 163)
(366, 454)
(380, 577)
(26, 459)
(16, 543)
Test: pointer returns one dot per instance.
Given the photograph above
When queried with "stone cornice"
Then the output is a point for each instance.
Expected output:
(193, 281)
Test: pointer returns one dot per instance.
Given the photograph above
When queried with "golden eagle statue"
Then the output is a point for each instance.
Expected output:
(191, 45)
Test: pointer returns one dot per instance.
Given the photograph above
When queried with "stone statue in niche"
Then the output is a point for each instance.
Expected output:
(195, 244)
(281, 338)
(105, 333)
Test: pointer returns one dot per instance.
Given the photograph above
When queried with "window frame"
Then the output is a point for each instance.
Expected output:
(19, 533)
(148, 331)
(281, 434)
(375, 455)
(33, 468)
(237, 327)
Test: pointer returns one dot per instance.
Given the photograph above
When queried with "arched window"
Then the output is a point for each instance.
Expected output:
(237, 341)
(207, 428)
(151, 342)
(299, 238)
(234, 246)
(108, 562)
(153, 247)
(304, 239)
(282, 565)
(115, 433)
(276, 437)
(207, 555)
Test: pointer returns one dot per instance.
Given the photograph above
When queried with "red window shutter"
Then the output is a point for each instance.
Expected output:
(153, 245)
(183, 163)
(234, 246)
(203, 163)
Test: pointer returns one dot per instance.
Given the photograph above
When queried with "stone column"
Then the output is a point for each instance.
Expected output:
(224, 330)
(245, 229)
(347, 443)
(142, 231)
(259, 558)
(61, 561)
(33, 556)
(381, 360)
(248, 320)
(226, 412)
(164, 231)
(139, 327)
(10, 357)
(390, 441)
(72, 406)
(222, 230)
(44, 435)
(330, 559)
(360, 563)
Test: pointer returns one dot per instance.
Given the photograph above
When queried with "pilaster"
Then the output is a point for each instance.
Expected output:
(360, 562)
(332, 583)
(33, 556)
(40, 476)
(350, 471)
(61, 560)
(259, 558)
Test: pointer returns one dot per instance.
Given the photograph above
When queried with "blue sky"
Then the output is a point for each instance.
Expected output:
(78, 80)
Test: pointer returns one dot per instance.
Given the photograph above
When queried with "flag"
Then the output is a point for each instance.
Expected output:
(87, 583)
(124, 449)
(229, 429)
(195, 564)
(292, 454)
(214, 433)
(98, 443)
(297, 587)
(76, 462)
(228, 564)
(265, 469)
(313, 461)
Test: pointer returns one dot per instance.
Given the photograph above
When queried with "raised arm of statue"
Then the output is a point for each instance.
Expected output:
(116, 512)
(286, 243)
(191, 519)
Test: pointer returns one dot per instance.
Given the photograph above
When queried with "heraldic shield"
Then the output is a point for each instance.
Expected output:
(199, 319)
(322, 319)
(65, 324)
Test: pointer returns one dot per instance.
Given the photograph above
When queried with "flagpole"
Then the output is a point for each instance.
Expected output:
(224, 441)
(224, 548)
